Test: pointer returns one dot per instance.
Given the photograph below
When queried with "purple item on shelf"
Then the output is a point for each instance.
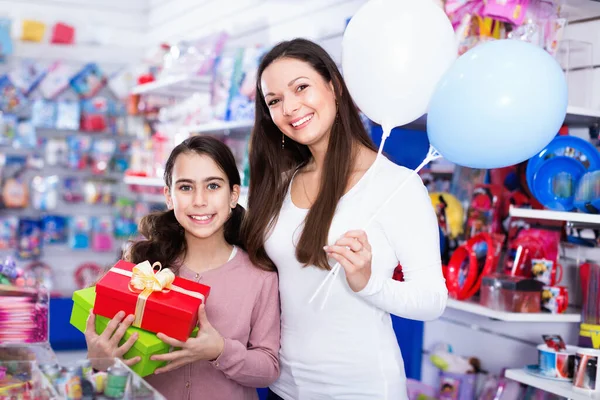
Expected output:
(457, 386)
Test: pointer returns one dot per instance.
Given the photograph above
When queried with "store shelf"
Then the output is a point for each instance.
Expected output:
(174, 86)
(104, 54)
(560, 388)
(580, 116)
(475, 308)
(550, 215)
(224, 127)
(576, 117)
(144, 181)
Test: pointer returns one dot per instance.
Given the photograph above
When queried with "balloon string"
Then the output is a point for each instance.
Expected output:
(384, 135)
(432, 154)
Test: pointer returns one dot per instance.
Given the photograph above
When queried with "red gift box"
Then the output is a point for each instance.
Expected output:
(160, 304)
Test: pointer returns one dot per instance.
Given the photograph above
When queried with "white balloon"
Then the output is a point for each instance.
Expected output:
(394, 52)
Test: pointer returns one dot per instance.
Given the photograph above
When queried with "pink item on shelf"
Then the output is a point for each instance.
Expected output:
(510, 11)
(62, 34)
(102, 242)
(23, 315)
(416, 390)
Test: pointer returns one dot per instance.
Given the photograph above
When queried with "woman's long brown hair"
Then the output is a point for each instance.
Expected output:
(271, 167)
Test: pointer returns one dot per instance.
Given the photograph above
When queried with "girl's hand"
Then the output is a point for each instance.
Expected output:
(207, 345)
(106, 345)
(353, 252)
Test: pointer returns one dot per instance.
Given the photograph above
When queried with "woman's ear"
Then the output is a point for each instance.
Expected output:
(335, 87)
(168, 199)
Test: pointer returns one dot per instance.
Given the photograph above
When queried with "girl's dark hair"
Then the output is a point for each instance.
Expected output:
(271, 167)
(164, 236)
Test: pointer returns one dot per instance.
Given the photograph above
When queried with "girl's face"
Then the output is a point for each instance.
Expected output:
(301, 103)
(200, 195)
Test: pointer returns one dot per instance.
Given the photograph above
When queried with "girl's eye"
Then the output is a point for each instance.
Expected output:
(301, 87)
(273, 102)
(185, 188)
(213, 186)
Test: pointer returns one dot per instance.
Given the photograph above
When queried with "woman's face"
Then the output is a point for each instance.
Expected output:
(301, 103)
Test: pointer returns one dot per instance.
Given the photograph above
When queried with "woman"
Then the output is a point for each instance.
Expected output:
(313, 183)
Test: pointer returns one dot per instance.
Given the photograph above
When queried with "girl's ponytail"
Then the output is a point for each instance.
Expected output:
(232, 228)
(164, 241)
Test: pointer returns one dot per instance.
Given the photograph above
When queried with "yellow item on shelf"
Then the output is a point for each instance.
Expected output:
(452, 210)
(33, 31)
(592, 332)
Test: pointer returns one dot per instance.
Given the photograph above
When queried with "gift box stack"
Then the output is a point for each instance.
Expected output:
(23, 307)
(159, 301)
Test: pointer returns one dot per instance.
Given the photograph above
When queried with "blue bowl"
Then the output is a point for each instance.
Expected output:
(587, 196)
(568, 146)
(555, 182)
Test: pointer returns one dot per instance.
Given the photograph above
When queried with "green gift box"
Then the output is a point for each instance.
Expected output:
(146, 345)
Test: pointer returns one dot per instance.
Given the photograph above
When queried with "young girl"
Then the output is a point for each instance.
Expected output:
(237, 346)
(313, 183)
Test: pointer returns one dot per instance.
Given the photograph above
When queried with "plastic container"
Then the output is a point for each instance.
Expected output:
(511, 293)
(556, 364)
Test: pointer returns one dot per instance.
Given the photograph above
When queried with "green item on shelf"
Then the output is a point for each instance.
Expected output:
(146, 345)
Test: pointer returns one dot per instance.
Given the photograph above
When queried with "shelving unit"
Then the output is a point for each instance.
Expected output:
(560, 388)
(144, 181)
(474, 308)
(225, 127)
(175, 86)
(576, 117)
(550, 215)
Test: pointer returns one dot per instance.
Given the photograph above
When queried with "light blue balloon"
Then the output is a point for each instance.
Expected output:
(499, 104)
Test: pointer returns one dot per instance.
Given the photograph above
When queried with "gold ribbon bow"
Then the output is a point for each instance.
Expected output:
(145, 282)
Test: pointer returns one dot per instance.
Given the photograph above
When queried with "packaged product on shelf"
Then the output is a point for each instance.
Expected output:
(32, 30)
(56, 80)
(68, 115)
(115, 381)
(125, 224)
(8, 232)
(62, 33)
(29, 238)
(11, 99)
(72, 190)
(8, 129)
(99, 191)
(102, 153)
(102, 233)
(27, 75)
(23, 309)
(94, 114)
(56, 152)
(43, 114)
(79, 232)
(79, 148)
(152, 297)
(44, 192)
(14, 190)
(146, 345)
(40, 273)
(88, 82)
(6, 46)
(25, 136)
(22, 379)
